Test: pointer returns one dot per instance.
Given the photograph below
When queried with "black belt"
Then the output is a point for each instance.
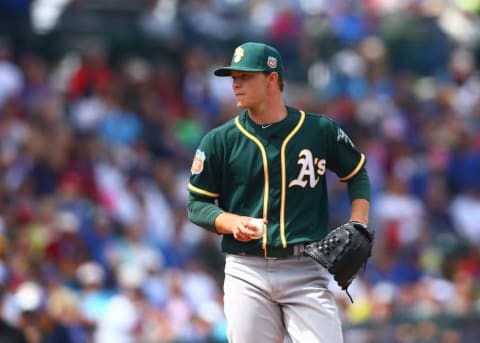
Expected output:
(277, 252)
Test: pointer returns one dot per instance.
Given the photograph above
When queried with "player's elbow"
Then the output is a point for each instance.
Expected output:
(359, 186)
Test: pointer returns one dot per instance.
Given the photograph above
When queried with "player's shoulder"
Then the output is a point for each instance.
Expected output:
(222, 131)
(319, 120)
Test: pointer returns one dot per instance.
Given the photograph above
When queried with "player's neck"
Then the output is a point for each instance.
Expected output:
(268, 113)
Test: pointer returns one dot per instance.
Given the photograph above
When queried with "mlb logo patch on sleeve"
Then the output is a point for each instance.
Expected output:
(198, 160)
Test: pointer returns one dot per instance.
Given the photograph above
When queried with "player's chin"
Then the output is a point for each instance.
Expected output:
(242, 104)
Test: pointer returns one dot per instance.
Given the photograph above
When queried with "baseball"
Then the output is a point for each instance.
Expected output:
(257, 223)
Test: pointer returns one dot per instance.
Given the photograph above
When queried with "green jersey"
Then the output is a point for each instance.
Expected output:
(275, 172)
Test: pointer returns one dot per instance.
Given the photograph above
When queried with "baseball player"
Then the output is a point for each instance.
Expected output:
(259, 180)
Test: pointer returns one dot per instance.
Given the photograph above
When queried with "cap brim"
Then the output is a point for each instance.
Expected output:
(227, 71)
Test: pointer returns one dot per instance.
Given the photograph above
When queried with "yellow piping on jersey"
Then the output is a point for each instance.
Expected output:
(356, 170)
(284, 177)
(202, 191)
(265, 174)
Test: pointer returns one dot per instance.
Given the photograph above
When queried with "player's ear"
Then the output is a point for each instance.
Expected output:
(273, 77)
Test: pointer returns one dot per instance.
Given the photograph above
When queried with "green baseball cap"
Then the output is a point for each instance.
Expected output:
(252, 56)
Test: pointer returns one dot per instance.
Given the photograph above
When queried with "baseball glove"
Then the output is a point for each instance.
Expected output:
(343, 252)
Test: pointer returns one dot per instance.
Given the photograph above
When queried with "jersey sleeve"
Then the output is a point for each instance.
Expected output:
(205, 178)
(344, 159)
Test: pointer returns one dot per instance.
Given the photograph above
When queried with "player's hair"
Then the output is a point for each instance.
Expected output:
(281, 81)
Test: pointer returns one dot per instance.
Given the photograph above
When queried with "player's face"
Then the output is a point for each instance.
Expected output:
(250, 88)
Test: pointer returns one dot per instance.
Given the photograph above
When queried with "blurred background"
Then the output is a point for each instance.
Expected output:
(102, 104)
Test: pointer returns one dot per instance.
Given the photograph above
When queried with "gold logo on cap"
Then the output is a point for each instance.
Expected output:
(238, 54)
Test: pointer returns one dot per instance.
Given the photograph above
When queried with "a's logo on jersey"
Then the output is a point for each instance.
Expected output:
(310, 169)
(272, 62)
(342, 136)
(238, 54)
(198, 160)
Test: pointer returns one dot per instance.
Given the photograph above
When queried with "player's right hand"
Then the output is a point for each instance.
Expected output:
(248, 228)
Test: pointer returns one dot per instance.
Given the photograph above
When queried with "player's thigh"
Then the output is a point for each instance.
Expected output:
(251, 315)
(306, 324)
(310, 312)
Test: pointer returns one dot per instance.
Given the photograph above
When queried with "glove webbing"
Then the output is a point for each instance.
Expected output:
(349, 296)
(346, 290)
(370, 238)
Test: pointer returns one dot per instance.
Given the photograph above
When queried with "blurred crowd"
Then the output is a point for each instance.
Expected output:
(96, 146)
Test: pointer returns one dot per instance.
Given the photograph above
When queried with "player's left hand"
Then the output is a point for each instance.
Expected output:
(343, 251)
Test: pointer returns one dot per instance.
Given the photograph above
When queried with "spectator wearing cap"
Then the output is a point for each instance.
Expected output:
(66, 248)
(9, 333)
(93, 296)
(37, 324)
(11, 76)
(93, 75)
(122, 319)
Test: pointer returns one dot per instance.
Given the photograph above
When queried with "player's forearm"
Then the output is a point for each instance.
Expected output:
(359, 186)
(359, 210)
(359, 194)
(203, 213)
(224, 221)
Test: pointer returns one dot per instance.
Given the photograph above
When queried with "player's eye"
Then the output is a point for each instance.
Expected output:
(241, 77)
